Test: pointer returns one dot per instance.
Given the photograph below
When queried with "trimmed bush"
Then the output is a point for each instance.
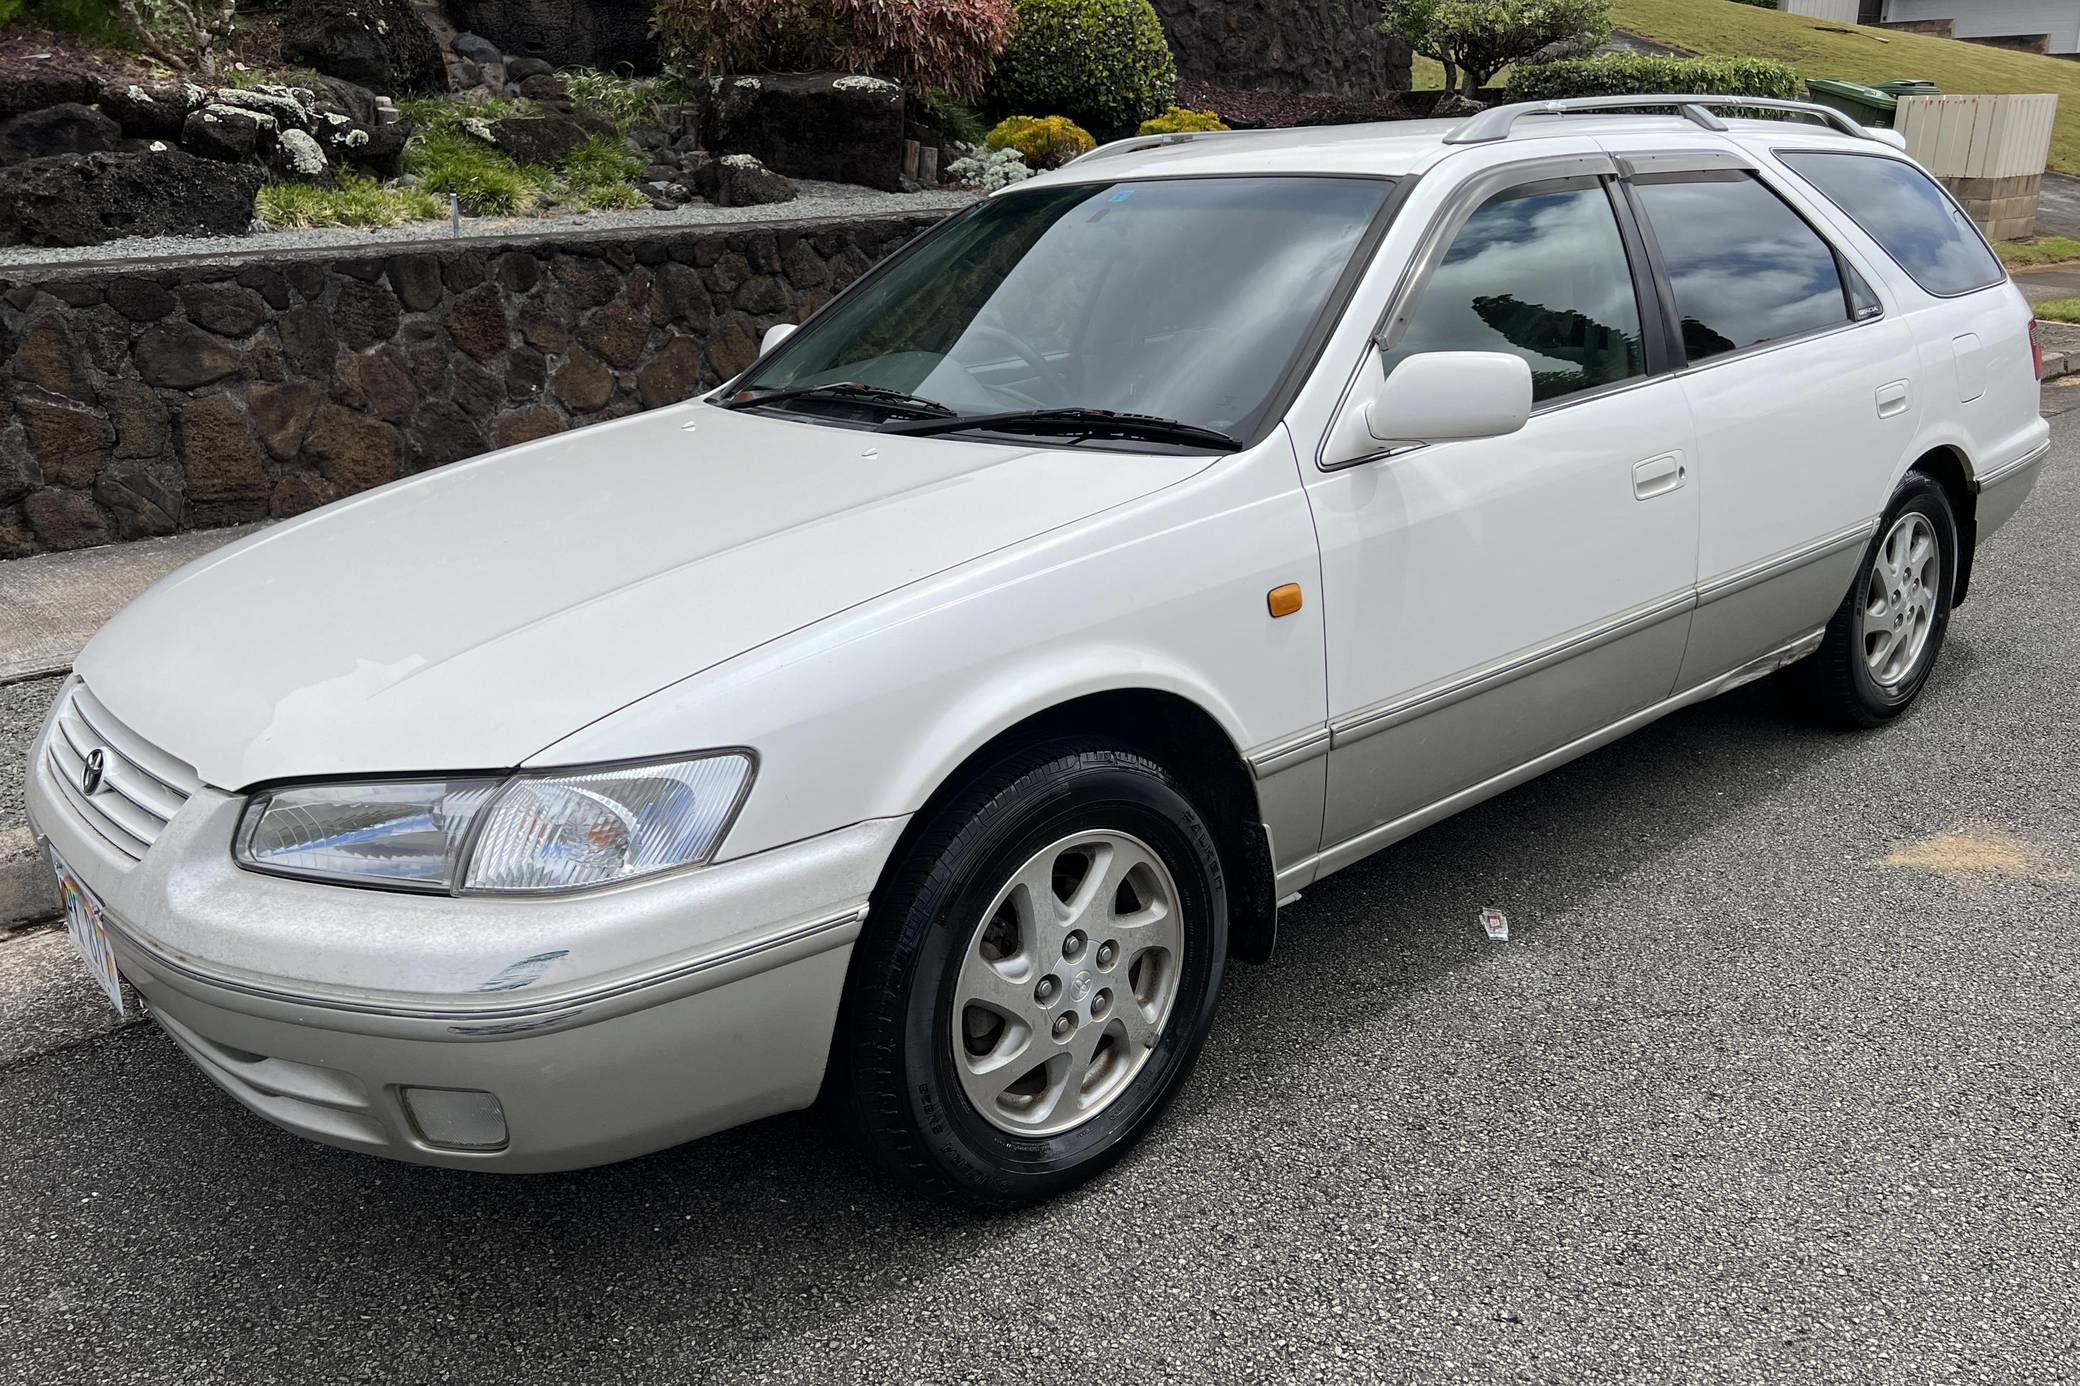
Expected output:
(1103, 63)
(1179, 119)
(1042, 141)
(1638, 74)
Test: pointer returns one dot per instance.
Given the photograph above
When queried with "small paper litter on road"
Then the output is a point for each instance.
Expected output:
(1497, 925)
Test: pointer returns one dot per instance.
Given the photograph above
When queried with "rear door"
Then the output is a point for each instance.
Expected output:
(1804, 389)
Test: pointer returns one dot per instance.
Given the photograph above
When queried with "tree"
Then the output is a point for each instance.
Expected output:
(1475, 39)
(183, 34)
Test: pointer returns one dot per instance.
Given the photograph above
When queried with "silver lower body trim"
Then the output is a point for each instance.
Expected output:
(2007, 470)
(506, 1014)
(1373, 839)
(1778, 564)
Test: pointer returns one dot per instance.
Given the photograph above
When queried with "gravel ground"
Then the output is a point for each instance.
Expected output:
(1774, 1081)
(816, 200)
(22, 706)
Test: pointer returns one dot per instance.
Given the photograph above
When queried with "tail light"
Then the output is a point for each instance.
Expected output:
(2036, 349)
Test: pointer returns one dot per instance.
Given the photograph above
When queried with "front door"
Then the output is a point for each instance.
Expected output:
(1490, 600)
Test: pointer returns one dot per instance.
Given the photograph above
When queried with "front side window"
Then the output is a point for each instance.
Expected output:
(1188, 299)
(1745, 268)
(1539, 272)
(1899, 208)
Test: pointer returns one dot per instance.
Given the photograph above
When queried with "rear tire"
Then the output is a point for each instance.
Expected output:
(1884, 638)
(1036, 976)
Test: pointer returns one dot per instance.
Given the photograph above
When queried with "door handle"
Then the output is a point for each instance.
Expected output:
(1892, 399)
(1657, 476)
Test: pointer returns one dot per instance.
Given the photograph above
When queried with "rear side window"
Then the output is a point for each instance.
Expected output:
(1539, 272)
(1745, 268)
(1900, 208)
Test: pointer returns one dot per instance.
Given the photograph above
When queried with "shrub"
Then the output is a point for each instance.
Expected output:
(1634, 74)
(183, 34)
(1103, 63)
(947, 44)
(353, 200)
(1179, 119)
(95, 21)
(955, 120)
(986, 170)
(1475, 39)
(1042, 141)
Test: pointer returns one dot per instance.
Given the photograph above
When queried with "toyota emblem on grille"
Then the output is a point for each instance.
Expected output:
(90, 777)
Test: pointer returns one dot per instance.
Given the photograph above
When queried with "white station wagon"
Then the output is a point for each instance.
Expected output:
(924, 719)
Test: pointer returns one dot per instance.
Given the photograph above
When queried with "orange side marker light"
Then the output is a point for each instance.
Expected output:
(1284, 599)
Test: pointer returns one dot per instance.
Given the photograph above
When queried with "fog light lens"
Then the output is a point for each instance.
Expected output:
(457, 1118)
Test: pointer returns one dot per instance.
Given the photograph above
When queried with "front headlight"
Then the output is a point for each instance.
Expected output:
(527, 833)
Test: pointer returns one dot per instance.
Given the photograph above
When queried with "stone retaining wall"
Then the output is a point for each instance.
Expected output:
(149, 398)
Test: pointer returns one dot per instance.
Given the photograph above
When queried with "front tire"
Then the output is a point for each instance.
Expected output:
(1884, 638)
(1038, 971)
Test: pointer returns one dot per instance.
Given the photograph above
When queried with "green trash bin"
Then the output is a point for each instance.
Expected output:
(1910, 86)
(1866, 105)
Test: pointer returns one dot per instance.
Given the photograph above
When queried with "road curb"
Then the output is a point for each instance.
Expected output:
(27, 895)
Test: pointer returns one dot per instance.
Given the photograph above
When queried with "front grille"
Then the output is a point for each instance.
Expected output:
(141, 786)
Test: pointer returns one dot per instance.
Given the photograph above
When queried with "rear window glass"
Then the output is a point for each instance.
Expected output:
(1902, 210)
(1745, 268)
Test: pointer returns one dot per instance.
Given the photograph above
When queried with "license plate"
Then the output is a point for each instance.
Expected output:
(83, 923)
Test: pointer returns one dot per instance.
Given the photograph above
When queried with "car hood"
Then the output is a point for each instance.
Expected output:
(468, 618)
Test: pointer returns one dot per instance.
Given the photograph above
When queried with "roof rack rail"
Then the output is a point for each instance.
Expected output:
(1493, 124)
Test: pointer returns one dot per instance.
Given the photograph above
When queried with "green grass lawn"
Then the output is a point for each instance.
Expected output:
(1818, 48)
(2038, 251)
(2058, 310)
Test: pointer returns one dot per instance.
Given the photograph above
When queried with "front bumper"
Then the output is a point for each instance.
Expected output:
(607, 1025)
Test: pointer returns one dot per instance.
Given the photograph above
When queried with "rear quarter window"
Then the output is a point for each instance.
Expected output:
(1902, 209)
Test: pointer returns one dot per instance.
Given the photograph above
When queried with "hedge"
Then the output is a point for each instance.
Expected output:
(1639, 74)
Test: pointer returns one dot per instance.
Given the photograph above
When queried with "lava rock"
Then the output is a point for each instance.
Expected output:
(740, 180)
(152, 110)
(377, 149)
(299, 155)
(543, 139)
(229, 133)
(31, 88)
(477, 49)
(543, 86)
(581, 33)
(289, 108)
(67, 128)
(348, 98)
(381, 44)
(834, 126)
(89, 199)
(519, 70)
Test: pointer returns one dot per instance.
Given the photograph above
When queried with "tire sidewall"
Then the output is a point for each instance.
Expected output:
(1920, 494)
(1125, 795)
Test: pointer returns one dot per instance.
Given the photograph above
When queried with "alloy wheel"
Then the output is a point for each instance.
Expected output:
(1900, 599)
(1067, 983)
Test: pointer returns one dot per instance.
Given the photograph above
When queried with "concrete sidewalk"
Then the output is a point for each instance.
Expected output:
(51, 603)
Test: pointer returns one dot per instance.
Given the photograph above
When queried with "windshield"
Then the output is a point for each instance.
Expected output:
(1185, 299)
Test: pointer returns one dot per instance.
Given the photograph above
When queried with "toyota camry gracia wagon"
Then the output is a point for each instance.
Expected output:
(925, 718)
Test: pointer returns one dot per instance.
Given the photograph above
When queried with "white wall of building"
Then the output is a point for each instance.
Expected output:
(1840, 11)
(1992, 18)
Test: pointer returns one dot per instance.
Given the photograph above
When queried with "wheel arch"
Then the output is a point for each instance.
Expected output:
(1192, 744)
(1949, 468)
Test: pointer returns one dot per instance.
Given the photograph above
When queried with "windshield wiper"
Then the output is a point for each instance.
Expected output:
(848, 390)
(1076, 423)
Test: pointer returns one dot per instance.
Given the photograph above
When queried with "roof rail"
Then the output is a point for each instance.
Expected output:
(1494, 123)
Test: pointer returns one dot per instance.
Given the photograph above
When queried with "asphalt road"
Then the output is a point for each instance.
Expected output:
(1775, 1080)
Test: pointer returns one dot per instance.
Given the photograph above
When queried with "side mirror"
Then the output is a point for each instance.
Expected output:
(1435, 397)
(775, 335)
